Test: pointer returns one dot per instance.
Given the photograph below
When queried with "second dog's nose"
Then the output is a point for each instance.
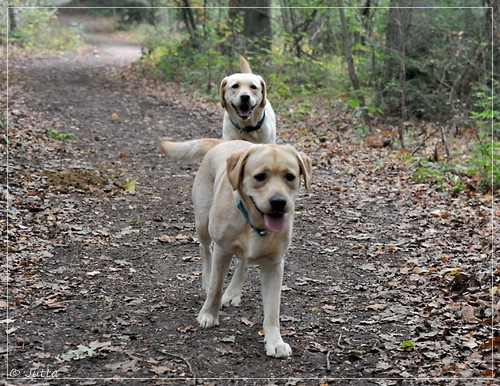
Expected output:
(245, 98)
(278, 203)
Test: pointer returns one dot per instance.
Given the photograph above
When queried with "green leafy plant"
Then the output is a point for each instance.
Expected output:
(361, 110)
(486, 158)
(39, 32)
(407, 345)
(60, 136)
(443, 176)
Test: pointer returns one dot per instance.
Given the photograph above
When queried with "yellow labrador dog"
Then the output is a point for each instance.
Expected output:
(243, 197)
(248, 114)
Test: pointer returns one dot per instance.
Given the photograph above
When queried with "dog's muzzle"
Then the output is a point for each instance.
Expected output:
(278, 205)
(244, 109)
(275, 219)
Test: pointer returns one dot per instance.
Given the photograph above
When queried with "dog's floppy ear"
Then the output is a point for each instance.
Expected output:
(235, 165)
(264, 93)
(223, 92)
(305, 169)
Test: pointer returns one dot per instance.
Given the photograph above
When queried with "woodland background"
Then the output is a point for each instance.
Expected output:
(419, 74)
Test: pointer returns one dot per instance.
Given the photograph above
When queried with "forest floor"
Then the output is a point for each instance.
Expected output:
(388, 281)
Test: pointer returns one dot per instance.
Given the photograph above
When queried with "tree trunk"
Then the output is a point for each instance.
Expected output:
(397, 41)
(189, 20)
(12, 20)
(234, 25)
(348, 53)
(257, 26)
(300, 31)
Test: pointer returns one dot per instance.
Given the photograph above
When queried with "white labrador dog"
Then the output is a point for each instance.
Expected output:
(248, 114)
(243, 197)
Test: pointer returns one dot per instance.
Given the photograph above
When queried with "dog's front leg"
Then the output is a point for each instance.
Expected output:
(206, 259)
(232, 295)
(271, 276)
(209, 313)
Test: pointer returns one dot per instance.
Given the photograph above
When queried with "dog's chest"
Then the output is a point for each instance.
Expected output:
(257, 249)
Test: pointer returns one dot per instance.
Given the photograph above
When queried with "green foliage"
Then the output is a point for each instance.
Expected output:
(39, 32)
(60, 136)
(179, 59)
(290, 80)
(486, 157)
(407, 345)
(485, 163)
(361, 110)
(486, 111)
(442, 176)
(417, 63)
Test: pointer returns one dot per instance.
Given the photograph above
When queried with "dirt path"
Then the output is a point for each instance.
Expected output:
(105, 274)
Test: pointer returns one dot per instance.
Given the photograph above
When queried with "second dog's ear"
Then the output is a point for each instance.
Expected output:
(264, 93)
(223, 93)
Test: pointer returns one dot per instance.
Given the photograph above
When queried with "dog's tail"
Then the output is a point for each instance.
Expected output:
(189, 151)
(244, 66)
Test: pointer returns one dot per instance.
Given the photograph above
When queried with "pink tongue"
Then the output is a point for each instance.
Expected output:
(244, 113)
(274, 224)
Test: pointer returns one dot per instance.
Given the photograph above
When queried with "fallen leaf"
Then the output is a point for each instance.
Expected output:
(186, 329)
(246, 322)
(161, 370)
(228, 339)
(167, 239)
(492, 344)
(377, 307)
(130, 186)
(467, 312)
(124, 366)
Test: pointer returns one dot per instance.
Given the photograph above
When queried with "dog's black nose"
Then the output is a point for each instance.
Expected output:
(278, 203)
(245, 98)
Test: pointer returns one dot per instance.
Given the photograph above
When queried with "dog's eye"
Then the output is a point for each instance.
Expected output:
(289, 177)
(253, 87)
(260, 177)
(235, 86)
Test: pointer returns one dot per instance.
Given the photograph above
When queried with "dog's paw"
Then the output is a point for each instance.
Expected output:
(278, 350)
(207, 320)
(228, 300)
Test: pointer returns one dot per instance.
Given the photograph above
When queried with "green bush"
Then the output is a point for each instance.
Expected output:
(39, 32)
(486, 158)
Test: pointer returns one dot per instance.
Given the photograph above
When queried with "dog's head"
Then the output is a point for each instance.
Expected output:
(267, 178)
(242, 93)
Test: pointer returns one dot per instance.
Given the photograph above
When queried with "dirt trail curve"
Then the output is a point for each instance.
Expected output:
(108, 286)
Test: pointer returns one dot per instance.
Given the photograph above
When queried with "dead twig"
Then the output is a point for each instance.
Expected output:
(443, 138)
(329, 353)
(193, 375)
(423, 142)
